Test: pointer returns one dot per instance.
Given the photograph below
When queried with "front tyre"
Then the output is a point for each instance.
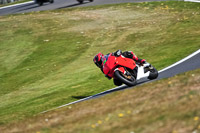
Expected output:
(153, 73)
(128, 80)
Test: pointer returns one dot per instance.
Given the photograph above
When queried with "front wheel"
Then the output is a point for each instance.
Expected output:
(153, 73)
(126, 79)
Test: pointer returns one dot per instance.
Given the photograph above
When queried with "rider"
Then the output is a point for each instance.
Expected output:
(100, 60)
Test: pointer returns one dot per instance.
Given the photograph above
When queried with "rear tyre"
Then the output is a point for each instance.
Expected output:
(128, 80)
(51, 1)
(153, 73)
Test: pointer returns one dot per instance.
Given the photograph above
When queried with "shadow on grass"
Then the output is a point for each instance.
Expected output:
(79, 97)
(119, 88)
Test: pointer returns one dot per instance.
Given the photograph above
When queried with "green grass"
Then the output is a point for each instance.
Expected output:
(46, 57)
(168, 106)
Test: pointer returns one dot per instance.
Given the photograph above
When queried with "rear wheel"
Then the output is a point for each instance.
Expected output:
(153, 73)
(126, 79)
(51, 1)
(91, 0)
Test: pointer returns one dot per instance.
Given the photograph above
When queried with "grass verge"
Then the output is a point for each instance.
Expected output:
(165, 106)
(46, 57)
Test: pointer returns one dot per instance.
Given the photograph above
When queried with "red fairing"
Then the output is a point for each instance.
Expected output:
(121, 69)
(117, 62)
(109, 66)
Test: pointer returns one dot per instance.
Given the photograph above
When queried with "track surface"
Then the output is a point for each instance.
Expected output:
(59, 4)
(191, 62)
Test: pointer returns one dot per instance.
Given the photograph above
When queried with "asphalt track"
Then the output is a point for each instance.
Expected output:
(190, 62)
(59, 4)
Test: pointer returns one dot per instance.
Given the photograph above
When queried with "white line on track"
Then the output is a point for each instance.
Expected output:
(198, 1)
(16, 5)
(82, 99)
(179, 62)
(186, 58)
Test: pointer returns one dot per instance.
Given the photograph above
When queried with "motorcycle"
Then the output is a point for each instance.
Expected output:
(127, 71)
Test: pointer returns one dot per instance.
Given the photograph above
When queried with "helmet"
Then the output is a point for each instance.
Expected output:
(98, 59)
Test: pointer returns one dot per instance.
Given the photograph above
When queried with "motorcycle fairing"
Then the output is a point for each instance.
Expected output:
(121, 69)
(141, 74)
(113, 62)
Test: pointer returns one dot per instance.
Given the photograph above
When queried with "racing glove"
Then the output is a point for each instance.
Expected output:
(117, 53)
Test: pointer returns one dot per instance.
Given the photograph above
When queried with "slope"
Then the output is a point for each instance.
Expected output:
(46, 57)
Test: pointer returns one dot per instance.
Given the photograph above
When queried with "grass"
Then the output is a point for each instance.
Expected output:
(165, 106)
(46, 57)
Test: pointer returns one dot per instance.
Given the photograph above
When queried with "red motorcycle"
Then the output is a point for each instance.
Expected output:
(127, 71)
